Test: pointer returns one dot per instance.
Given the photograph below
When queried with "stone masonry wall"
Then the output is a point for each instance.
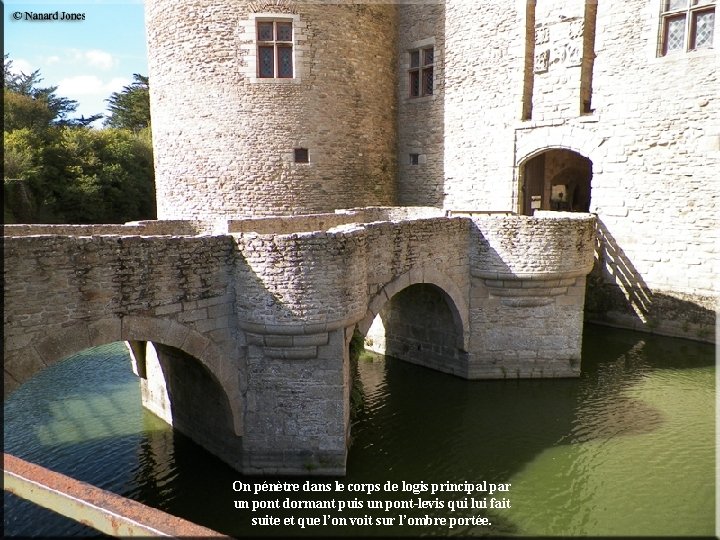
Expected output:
(143, 228)
(421, 120)
(656, 191)
(303, 280)
(224, 139)
(648, 123)
(242, 339)
(64, 294)
(483, 62)
(527, 294)
(558, 59)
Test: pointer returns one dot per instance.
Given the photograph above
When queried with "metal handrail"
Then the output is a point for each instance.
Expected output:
(104, 511)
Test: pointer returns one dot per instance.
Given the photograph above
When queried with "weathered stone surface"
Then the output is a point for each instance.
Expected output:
(258, 301)
(261, 321)
(208, 165)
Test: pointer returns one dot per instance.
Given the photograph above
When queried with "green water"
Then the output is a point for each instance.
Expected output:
(627, 449)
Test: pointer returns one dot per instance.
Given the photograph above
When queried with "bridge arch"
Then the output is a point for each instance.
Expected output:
(63, 343)
(421, 317)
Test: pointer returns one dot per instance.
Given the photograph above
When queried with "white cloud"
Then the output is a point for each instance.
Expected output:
(21, 66)
(50, 60)
(100, 59)
(94, 58)
(90, 91)
(88, 85)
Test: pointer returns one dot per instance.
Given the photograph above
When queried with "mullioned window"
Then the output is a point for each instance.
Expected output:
(686, 25)
(275, 49)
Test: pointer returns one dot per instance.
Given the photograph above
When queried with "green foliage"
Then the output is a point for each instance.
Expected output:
(130, 108)
(27, 104)
(22, 157)
(22, 111)
(59, 171)
(79, 175)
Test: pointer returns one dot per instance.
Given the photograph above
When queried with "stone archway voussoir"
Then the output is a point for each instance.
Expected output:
(60, 345)
(105, 331)
(144, 329)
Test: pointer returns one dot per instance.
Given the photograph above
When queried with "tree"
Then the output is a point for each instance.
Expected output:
(59, 170)
(112, 176)
(130, 108)
(21, 111)
(29, 105)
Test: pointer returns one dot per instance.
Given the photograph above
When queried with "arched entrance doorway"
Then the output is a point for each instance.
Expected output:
(557, 179)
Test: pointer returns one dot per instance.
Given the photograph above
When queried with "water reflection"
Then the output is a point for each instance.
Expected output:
(625, 449)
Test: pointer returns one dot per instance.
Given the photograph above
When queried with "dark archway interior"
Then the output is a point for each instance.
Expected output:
(420, 327)
(198, 404)
(558, 180)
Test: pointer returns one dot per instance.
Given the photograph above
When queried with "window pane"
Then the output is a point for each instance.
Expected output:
(429, 56)
(301, 155)
(702, 2)
(428, 81)
(675, 34)
(414, 83)
(285, 63)
(703, 26)
(266, 61)
(284, 31)
(671, 5)
(414, 58)
(265, 31)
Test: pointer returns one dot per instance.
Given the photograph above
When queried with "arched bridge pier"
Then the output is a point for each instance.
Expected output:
(240, 331)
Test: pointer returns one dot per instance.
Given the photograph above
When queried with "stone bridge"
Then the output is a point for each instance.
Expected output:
(240, 330)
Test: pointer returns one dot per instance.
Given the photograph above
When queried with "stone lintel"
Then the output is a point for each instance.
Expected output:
(532, 276)
(536, 291)
(300, 328)
(291, 353)
(532, 301)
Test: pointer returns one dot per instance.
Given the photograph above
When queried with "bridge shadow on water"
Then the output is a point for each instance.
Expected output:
(420, 425)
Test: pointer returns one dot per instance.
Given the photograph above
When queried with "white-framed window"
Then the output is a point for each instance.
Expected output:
(686, 25)
(275, 59)
(273, 48)
(421, 71)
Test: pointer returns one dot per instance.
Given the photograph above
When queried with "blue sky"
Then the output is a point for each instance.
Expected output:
(86, 59)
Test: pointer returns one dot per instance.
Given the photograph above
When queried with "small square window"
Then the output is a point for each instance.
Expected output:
(414, 159)
(301, 155)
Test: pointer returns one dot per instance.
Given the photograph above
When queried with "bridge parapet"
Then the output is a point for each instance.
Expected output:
(528, 293)
(269, 315)
(139, 228)
(546, 245)
(301, 283)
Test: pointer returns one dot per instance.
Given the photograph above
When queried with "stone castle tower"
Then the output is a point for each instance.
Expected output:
(284, 107)
(271, 108)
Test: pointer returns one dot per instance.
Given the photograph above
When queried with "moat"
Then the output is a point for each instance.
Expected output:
(626, 449)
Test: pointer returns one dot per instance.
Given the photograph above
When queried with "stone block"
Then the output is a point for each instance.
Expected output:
(105, 331)
(64, 343)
